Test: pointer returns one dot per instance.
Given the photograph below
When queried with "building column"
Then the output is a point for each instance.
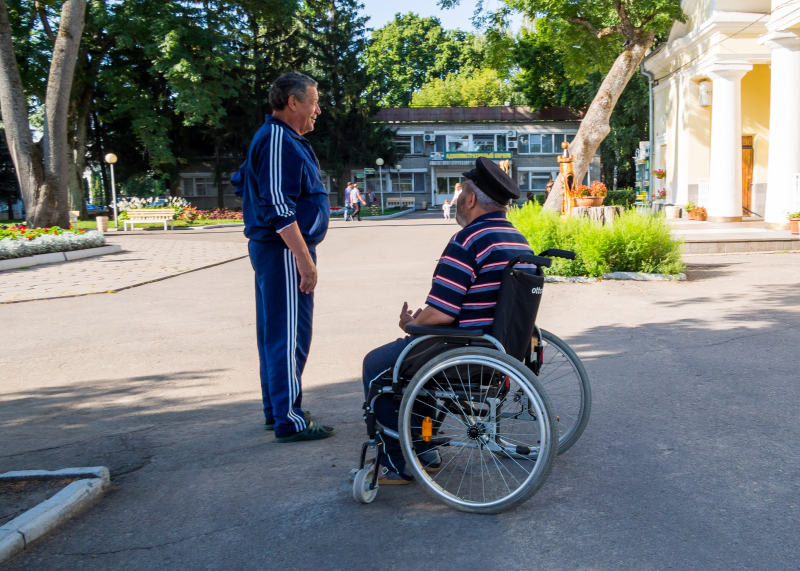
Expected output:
(725, 200)
(784, 128)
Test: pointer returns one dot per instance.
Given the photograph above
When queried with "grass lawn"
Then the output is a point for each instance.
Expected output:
(92, 225)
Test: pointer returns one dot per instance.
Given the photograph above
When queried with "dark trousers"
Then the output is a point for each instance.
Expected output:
(387, 408)
(284, 316)
(357, 211)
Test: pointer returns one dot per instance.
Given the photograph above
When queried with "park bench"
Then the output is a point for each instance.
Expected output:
(407, 202)
(150, 215)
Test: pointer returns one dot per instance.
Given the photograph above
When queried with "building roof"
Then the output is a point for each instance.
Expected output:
(475, 114)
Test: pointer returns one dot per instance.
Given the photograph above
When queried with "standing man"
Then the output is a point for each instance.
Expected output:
(286, 215)
(348, 202)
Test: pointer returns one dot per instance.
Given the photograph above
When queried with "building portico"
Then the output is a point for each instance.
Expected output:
(726, 110)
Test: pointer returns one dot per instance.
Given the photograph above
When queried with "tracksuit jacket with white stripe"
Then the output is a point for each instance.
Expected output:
(280, 183)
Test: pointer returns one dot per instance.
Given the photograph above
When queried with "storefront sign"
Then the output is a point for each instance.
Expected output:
(463, 156)
(369, 171)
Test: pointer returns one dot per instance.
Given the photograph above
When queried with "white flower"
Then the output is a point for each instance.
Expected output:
(49, 243)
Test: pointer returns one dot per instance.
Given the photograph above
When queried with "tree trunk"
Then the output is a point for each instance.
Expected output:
(25, 154)
(59, 88)
(218, 178)
(595, 125)
(77, 155)
(42, 170)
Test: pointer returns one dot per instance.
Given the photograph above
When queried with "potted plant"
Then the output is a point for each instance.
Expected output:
(590, 195)
(660, 196)
(698, 213)
(660, 174)
(794, 222)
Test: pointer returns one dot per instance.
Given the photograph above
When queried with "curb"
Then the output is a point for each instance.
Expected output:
(215, 226)
(56, 257)
(22, 531)
(640, 277)
(618, 276)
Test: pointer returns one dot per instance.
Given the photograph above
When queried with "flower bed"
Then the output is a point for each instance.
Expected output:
(220, 214)
(21, 241)
(634, 243)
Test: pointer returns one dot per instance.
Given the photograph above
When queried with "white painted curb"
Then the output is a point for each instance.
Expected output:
(619, 276)
(39, 259)
(387, 217)
(24, 530)
(216, 226)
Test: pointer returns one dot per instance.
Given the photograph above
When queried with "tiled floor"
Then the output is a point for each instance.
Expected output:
(145, 257)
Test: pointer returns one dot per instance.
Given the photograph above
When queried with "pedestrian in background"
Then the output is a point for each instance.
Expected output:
(356, 200)
(446, 209)
(348, 205)
(285, 208)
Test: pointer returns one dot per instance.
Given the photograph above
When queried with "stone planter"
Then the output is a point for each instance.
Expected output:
(794, 226)
(697, 217)
(102, 223)
(590, 201)
(673, 211)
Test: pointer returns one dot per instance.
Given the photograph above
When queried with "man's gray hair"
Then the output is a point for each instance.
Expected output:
(287, 85)
(488, 204)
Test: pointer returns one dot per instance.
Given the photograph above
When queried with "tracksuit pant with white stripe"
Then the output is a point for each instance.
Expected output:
(283, 320)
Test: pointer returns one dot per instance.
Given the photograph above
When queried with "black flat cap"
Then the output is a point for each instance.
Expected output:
(493, 181)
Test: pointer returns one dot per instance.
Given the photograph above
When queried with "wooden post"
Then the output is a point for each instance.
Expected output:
(568, 181)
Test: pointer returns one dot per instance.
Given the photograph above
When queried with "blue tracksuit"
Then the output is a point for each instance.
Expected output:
(280, 183)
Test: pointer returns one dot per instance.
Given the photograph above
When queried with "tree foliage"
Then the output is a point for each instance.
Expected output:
(481, 88)
(411, 51)
(343, 134)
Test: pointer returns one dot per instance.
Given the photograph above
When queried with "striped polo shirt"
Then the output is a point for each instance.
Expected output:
(467, 277)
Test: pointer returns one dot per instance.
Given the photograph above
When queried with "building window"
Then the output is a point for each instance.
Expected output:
(501, 144)
(410, 144)
(198, 186)
(533, 181)
(457, 143)
(542, 144)
(408, 182)
(483, 143)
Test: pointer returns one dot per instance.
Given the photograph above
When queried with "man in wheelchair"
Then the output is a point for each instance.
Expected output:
(464, 293)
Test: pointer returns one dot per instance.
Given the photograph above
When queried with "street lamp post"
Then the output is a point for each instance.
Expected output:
(398, 168)
(379, 162)
(111, 158)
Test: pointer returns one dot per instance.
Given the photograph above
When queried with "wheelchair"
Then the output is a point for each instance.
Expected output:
(498, 406)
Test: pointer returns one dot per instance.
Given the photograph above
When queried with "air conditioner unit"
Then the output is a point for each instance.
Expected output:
(429, 137)
(511, 134)
(512, 145)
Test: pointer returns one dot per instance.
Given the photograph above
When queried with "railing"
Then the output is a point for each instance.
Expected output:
(704, 192)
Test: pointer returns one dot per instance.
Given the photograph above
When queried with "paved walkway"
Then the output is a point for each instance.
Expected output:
(690, 460)
(146, 256)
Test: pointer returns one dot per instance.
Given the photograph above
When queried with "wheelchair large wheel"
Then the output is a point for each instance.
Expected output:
(563, 377)
(468, 404)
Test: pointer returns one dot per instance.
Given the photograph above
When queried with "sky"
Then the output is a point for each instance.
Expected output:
(382, 11)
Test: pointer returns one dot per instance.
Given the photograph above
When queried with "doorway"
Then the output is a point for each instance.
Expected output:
(748, 155)
(445, 187)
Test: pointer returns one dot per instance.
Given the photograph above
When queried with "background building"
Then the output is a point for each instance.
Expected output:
(440, 143)
(727, 110)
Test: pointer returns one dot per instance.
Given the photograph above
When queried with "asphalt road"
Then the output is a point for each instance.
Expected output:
(690, 460)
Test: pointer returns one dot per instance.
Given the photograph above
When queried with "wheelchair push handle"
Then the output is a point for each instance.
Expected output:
(556, 253)
(529, 259)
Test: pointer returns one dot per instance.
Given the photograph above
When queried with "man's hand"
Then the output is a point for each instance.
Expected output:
(305, 263)
(406, 316)
(308, 274)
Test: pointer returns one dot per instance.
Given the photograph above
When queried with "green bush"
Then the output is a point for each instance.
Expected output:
(634, 243)
(622, 197)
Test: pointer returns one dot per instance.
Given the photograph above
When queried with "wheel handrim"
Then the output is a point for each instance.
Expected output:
(561, 379)
(480, 439)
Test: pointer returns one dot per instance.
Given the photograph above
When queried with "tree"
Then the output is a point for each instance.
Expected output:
(410, 51)
(344, 133)
(481, 88)
(42, 167)
(598, 35)
(544, 81)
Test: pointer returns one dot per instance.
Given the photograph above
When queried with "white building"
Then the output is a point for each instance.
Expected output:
(727, 109)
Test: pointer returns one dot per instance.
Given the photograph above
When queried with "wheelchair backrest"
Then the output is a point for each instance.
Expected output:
(517, 306)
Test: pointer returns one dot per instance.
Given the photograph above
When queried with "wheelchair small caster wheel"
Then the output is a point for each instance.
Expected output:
(361, 483)
(352, 474)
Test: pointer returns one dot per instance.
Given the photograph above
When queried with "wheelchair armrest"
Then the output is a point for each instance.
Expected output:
(444, 331)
